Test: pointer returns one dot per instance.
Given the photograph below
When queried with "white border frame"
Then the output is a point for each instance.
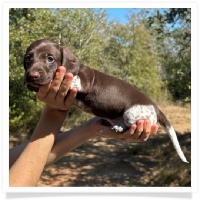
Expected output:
(94, 4)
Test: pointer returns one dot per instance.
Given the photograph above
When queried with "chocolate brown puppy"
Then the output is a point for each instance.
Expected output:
(98, 93)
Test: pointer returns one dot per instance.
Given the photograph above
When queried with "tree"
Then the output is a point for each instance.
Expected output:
(85, 32)
(131, 49)
(173, 31)
(24, 27)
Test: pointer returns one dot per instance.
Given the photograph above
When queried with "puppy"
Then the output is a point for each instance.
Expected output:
(98, 93)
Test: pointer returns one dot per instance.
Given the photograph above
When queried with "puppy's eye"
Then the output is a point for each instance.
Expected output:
(50, 58)
(28, 58)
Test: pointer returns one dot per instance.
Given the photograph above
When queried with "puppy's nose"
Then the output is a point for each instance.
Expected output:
(33, 75)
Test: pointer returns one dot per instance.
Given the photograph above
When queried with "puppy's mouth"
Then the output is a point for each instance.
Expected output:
(34, 86)
(34, 79)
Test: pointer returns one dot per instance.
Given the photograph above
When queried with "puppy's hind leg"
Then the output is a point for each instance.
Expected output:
(137, 112)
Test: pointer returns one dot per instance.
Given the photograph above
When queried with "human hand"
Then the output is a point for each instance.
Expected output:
(56, 94)
(138, 132)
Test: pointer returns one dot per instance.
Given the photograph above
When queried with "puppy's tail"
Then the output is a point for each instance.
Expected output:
(172, 134)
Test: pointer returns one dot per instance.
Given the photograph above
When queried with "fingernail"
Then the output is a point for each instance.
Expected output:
(74, 90)
(69, 76)
(61, 68)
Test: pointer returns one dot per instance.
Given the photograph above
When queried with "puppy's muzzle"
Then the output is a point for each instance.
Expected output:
(35, 78)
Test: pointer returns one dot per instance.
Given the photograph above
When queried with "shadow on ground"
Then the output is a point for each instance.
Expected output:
(108, 162)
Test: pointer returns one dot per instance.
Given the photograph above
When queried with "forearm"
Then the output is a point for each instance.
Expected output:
(67, 141)
(37, 150)
(15, 152)
(64, 142)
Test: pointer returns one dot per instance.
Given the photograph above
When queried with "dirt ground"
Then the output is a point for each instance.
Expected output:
(108, 162)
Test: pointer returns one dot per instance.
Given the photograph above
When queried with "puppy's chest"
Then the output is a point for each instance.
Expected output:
(76, 83)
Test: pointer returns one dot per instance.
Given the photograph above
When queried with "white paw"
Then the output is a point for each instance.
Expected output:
(118, 128)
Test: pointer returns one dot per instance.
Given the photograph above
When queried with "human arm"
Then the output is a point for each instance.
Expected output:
(27, 169)
(69, 140)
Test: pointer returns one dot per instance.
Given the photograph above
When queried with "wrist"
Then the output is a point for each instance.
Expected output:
(91, 127)
(50, 122)
(55, 112)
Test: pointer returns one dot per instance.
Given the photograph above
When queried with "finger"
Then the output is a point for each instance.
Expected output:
(147, 126)
(66, 83)
(43, 91)
(129, 132)
(146, 131)
(57, 81)
(139, 129)
(150, 130)
(144, 136)
(70, 98)
(64, 88)
(154, 129)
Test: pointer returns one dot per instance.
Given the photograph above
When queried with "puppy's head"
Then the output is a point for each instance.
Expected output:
(41, 61)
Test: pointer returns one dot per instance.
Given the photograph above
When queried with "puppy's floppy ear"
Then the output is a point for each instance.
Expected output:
(69, 61)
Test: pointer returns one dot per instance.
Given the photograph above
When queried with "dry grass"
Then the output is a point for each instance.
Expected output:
(179, 116)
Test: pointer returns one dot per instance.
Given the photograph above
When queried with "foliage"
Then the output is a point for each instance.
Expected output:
(173, 31)
(24, 27)
(84, 32)
(146, 52)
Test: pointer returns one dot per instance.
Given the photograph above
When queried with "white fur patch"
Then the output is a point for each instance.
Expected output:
(118, 128)
(137, 112)
(76, 83)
